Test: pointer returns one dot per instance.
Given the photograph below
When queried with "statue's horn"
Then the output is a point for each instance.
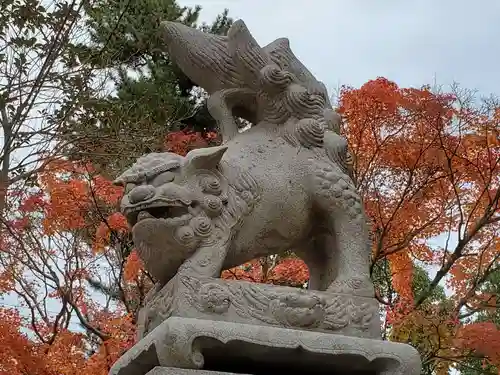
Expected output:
(246, 53)
(203, 57)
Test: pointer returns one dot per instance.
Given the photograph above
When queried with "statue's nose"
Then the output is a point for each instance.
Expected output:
(141, 193)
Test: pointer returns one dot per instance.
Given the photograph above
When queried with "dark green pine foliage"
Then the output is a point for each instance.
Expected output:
(140, 95)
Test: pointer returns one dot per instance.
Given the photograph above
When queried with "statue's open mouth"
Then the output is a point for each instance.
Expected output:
(173, 213)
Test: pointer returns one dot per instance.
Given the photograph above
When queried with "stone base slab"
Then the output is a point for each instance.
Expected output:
(262, 304)
(181, 371)
(250, 349)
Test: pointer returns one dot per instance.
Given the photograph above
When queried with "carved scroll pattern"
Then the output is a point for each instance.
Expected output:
(285, 309)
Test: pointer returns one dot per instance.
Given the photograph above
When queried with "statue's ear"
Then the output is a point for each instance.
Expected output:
(205, 158)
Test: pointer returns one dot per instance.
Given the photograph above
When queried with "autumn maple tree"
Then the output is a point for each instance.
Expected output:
(428, 166)
(50, 250)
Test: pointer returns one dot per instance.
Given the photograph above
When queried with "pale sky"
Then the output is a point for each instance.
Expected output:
(351, 41)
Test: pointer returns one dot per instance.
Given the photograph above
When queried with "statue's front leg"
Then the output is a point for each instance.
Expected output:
(340, 204)
(207, 261)
(221, 105)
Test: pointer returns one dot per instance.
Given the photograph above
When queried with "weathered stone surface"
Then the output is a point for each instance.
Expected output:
(245, 302)
(231, 347)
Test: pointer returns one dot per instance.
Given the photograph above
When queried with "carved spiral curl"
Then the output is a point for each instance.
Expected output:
(310, 133)
(301, 102)
(214, 298)
(185, 235)
(272, 107)
(272, 77)
(211, 185)
(202, 226)
(212, 205)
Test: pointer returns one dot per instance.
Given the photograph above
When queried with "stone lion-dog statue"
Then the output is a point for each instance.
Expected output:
(284, 184)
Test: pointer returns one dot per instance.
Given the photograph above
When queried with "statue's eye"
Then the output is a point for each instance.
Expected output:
(163, 178)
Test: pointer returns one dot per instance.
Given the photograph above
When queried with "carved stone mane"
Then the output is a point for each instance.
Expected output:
(238, 192)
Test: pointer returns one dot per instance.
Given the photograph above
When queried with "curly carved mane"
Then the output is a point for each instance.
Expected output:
(261, 84)
(239, 193)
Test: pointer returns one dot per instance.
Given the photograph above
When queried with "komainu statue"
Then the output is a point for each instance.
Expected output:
(284, 184)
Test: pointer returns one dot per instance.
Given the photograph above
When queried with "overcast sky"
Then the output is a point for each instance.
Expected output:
(351, 41)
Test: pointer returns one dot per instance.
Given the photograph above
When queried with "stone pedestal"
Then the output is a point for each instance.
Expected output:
(262, 304)
(180, 371)
(213, 326)
(218, 347)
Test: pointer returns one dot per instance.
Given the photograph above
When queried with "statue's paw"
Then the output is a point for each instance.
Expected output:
(356, 286)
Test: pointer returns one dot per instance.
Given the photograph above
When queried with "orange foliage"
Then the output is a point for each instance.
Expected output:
(133, 266)
(45, 240)
(17, 354)
(428, 166)
(181, 142)
(481, 338)
(271, 270)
